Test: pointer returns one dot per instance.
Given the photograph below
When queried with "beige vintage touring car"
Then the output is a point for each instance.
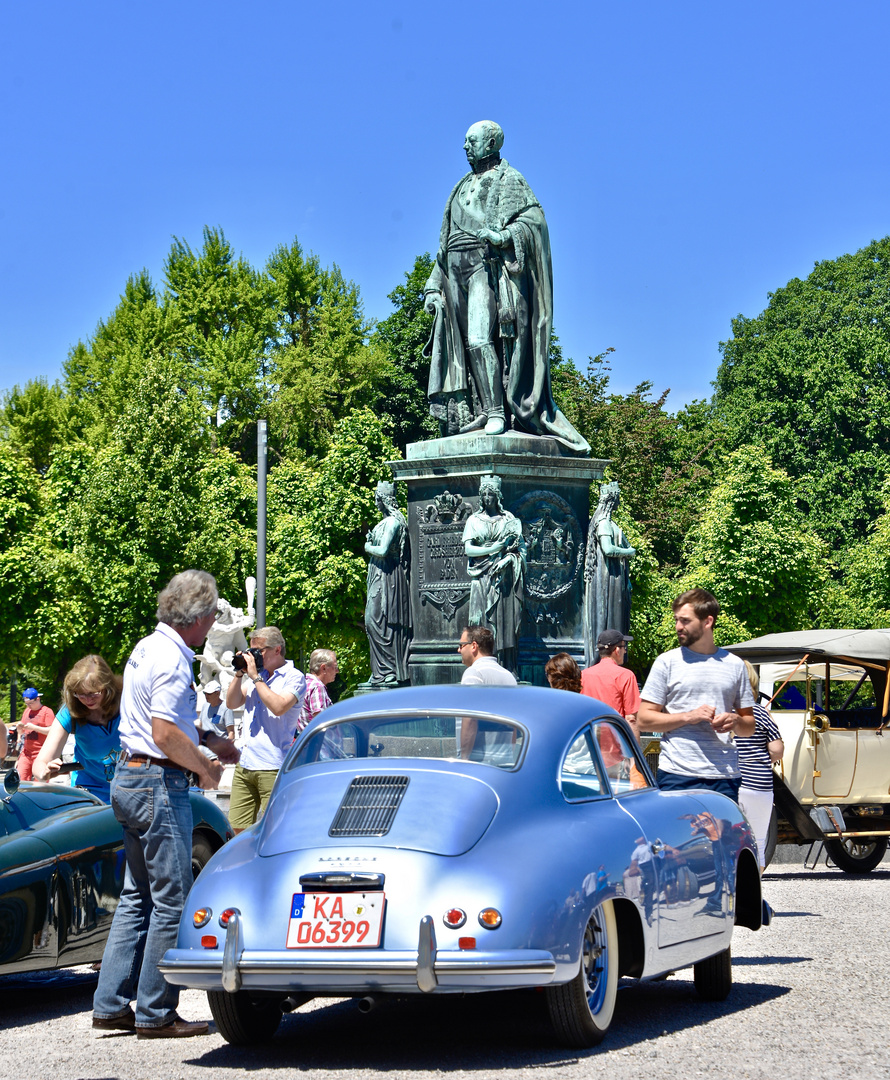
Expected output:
(833, 783)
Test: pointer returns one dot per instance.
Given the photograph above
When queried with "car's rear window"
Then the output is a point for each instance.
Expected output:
(484, 739)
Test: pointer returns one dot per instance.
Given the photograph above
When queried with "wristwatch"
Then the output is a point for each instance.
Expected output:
(259, 678)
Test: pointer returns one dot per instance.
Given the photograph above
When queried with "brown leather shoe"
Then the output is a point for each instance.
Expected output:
(176, 1029)
(125, 1022)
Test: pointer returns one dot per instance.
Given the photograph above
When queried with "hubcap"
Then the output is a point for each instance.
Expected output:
(596, 962)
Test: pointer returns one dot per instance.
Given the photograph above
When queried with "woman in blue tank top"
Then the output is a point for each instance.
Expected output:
(91, 712)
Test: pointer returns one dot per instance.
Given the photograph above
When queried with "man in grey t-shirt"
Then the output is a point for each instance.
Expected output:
(698, 696)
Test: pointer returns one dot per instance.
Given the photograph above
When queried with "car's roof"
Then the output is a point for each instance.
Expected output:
(549, 714)
(818, 644)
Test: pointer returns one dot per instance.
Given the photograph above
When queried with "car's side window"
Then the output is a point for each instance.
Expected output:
(620, 758)
(581, 776)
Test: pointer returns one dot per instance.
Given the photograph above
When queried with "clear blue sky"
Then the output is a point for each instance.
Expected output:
(690, 157)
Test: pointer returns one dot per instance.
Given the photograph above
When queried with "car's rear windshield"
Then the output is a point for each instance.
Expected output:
(484, 739)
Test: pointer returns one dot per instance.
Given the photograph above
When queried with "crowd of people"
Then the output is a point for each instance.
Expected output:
(141, 740)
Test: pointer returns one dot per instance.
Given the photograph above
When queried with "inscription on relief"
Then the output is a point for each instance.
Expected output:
(443, 579)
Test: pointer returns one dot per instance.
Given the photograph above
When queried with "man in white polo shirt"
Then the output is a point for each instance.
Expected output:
(271, 715)
(150, 798)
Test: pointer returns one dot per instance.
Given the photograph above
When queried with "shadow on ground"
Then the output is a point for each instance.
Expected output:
(484, 1032)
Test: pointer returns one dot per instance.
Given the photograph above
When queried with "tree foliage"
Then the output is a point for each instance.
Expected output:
(662, 461)
(141, 460)
(754, 550)
(322, 512)
(809, 380)
(402, 337)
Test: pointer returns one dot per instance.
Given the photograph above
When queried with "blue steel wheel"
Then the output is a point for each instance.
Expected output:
(581, 1010)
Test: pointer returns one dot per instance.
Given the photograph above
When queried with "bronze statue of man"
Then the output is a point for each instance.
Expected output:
(492, 294)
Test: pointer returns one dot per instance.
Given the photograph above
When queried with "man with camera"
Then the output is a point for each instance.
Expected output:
(271, 713)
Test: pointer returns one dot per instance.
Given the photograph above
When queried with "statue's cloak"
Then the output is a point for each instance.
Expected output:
(525, 311)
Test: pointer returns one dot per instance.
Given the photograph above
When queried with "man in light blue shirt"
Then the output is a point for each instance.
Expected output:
(271, 712)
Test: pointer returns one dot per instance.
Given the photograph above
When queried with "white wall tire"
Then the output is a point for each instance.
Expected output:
(581, 1010)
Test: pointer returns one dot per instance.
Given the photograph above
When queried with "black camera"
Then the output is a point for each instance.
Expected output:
(240, 664)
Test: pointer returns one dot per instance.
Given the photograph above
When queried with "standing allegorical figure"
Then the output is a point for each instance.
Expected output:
(491, 291)
(387, 608)
(496, 551)
(606, 573)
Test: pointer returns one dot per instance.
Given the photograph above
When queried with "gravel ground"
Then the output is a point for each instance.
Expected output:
(810, 1001)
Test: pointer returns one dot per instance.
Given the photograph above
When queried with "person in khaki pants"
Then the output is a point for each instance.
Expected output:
(271, 715)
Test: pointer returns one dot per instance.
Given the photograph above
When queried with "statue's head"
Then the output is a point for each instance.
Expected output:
(385, 494)
(610, 494)
(490, 494)
(483, 139)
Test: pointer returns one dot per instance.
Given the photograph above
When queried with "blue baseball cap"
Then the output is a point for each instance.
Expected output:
(30, 694)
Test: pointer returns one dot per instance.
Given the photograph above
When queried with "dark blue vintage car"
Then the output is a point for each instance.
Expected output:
(456, 839)
(62, 868)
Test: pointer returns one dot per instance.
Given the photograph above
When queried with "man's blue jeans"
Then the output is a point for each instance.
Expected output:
(153, 806)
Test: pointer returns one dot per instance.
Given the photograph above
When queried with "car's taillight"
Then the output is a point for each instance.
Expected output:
(226, 915)
(454, 918)
(202, 917)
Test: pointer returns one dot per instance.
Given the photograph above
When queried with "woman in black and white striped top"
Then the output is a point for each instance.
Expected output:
(757, 753)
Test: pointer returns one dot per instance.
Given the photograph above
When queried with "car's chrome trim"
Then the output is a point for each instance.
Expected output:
(396, 968)
(234, 950)
(426, 956)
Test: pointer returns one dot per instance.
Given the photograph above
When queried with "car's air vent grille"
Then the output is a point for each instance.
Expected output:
(369, 806)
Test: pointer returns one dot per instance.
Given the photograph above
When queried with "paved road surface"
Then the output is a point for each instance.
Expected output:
(811, 1001)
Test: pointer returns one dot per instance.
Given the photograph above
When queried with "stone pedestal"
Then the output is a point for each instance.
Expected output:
(548, 490)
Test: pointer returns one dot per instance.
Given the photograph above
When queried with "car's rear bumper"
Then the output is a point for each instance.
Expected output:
(393, 972)
(356, 971)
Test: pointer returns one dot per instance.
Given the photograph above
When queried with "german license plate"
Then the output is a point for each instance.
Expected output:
(335, 920)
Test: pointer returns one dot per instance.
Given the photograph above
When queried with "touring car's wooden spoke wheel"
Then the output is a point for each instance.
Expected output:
(857, 856)
(581, 1010)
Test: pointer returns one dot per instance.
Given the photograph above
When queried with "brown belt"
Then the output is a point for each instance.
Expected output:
(144, 759)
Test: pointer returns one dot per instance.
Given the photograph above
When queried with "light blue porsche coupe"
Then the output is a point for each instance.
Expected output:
(452, 839)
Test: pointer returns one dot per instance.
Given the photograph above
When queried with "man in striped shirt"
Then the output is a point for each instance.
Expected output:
(322, 671)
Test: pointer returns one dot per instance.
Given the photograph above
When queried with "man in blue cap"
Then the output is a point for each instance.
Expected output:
(34, 725)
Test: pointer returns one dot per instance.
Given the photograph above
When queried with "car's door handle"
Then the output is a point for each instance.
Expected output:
(656, 847)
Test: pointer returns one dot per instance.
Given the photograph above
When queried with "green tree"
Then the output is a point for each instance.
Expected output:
(323, 368)
(809, 380)
(756, 552)
(864, 598)
(32, 418)
(21, 567)
(122, 518)
(99, 375)
(402, 336)
(319, 516)
(225, 310)
(662, 461)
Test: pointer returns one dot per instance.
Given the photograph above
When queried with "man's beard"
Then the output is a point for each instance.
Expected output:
(688, 637)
